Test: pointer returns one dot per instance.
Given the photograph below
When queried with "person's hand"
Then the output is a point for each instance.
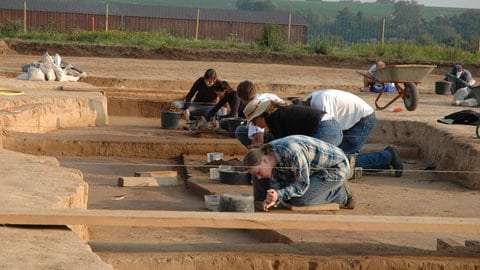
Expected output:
(202, 123)
(186, 114)
(213, 123)
(270, 200)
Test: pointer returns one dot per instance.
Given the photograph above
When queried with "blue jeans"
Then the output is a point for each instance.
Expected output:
(355, 137)
(322, 190)
(241, 133)
(329, 131)
(375, 161)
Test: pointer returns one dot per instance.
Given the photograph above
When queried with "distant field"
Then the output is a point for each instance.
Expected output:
(327, 9)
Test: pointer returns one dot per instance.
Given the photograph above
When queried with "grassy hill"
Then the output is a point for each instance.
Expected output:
(326, 9)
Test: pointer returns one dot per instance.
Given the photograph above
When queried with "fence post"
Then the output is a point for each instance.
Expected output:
(289, 25)
(478, 49)
(93, 23)
(383, 31)
(24, 16)
(106, 17)
(198, 24)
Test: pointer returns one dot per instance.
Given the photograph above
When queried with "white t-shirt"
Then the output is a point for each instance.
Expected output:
(252, 129)
(345, 107)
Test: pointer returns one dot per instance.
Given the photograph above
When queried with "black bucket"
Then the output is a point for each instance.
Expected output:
(443, 88)
(233, 123)
(234, 177)
(237, 202)
(170, 120)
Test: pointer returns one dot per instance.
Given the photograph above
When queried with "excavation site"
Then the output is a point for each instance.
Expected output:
(93, 176)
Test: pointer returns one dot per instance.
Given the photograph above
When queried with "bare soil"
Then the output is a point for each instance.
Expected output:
(133, 73)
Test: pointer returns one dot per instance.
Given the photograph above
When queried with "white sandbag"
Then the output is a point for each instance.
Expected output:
(470, 102)
(70, 78)
(23, 76)
(49, 72)
(57, 60)
(47, 60)
(59, 73)
(35, 74)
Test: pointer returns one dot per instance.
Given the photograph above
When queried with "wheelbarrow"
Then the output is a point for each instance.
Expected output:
(408, 75)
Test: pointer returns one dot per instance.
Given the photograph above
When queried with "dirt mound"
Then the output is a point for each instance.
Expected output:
(4, 48)
(189, 54)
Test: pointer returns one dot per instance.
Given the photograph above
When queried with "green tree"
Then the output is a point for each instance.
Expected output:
(385, 2)
(271, 37)
(408, 21)
(256, 5)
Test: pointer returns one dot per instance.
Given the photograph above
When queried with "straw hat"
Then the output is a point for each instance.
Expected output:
(256, 108)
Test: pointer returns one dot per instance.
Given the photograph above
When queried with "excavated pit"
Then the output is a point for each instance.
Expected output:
(132, 140)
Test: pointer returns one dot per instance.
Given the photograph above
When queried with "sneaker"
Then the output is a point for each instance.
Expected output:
(351, 201)
(395, 160)
(351, 161)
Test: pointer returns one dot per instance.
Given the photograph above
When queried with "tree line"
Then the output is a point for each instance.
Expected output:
(405, 24)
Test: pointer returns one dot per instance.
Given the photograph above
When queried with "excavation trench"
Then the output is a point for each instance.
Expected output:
(132, 140)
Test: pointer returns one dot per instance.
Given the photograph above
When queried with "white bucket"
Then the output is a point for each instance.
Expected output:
(214, 156)
(212, 202)
(214, 174)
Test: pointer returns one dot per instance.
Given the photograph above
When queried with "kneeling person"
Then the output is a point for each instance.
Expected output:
(302, 170)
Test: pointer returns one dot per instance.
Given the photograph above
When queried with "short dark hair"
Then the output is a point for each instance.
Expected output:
(246, 90)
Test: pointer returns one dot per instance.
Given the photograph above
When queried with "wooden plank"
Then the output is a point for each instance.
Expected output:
(156, 174)
(147, 181)
(447, 243)
(320, 207)
(231, 220)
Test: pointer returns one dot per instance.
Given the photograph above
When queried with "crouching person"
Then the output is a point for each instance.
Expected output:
(302, 170)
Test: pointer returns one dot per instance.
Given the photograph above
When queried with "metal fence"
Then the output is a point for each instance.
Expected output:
(216, 24)
(179, 22)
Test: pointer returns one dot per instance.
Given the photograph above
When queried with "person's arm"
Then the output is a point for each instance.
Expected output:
(191, 93)
(234, 103)
(215, 109)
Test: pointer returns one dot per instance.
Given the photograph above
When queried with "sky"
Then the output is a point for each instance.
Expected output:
(444, 3)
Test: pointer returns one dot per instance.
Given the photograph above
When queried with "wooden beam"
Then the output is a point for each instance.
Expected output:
(178, 219)
(447, 243)
(319, 207)
(172, 174)
(135, 181)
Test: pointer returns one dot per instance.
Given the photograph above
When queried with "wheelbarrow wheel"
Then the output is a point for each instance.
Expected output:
(410, 96)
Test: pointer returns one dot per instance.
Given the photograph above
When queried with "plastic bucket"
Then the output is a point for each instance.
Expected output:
(237, 202)
(234, 177)
(170, 120)
(443, 88)
(233, 123)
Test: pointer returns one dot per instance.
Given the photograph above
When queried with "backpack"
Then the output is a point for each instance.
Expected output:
(465, 117)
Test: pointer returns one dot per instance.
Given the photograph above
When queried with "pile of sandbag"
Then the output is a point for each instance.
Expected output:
(51, 69)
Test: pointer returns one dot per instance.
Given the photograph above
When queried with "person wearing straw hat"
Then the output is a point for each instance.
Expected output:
(284, 120)
(302, 171)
